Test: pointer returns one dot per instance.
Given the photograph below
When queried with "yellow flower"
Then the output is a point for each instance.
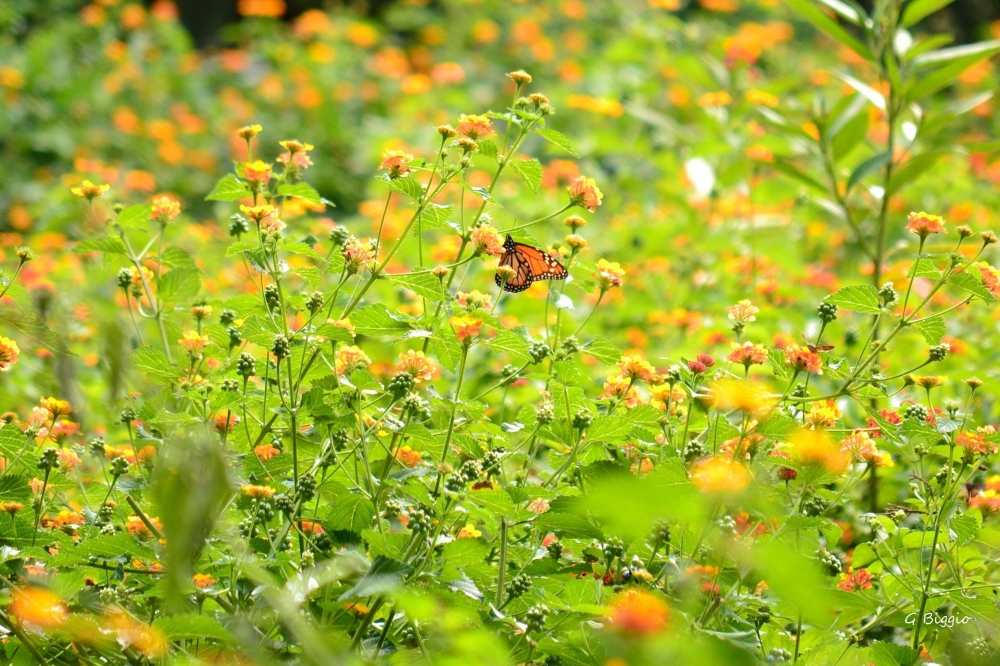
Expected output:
(469, 532)
(256, 491)
(720, 475)
(89, 190)
(730, 393)
(466, 327)
(37, 606)
(8, 353)
(813, 447)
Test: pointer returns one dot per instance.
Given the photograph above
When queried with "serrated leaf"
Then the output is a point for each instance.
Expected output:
(239, 247)
(487, 147)
(351, 512)
(602, 349)
(932, 328)
(421, 284)
(229, 188)
(175, 257)
(154, 364)
(435, 216)
(859, 298)
(302, 191)
(558, 138)
(406, 186)
(965, 527)
(375, 320)
(103, 244)
(510, 343)
(179, 285)
(259, 330)
(529, 171)
(298, 247)
(972, 284)
(135, 217)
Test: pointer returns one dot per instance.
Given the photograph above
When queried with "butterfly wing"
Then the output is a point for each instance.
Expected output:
(530, 264)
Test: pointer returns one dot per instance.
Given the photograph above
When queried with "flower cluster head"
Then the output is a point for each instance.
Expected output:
(487, 240)
(584, 192)
(802, 359)
(417, 365)
(474, 126)
(55, 407)
(194, 342)
(8, 353)
(296, 155)
(396, 163)
(720, 475)
(976, 443)
(466, 327)
(747, 354)
(248, 132)
(164, 210)
(990, 276)
(358, 253)
(258, 173)
(730, 393)
(814, 447)
(473, 300)
(636, 368)
(89, 190)
(855, 580)
(742, 314)
(924, 224)
(609, 274)
(862, 448)
(701, 364)
(620, 389)
(637, 613)
(351, 358)
(38, 606)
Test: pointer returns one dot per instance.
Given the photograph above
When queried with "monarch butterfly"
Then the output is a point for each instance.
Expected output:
(530, 265)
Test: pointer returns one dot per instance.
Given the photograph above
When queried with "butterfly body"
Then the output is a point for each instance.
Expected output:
(530, 265)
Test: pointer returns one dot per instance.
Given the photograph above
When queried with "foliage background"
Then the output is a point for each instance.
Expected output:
(696, 119)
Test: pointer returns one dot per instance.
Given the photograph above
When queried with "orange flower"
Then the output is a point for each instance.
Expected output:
(407, 457)
(89, 190)
(193, 342)
(743, 312)
(487, 240)
(823, 414)
(803, 360)
(257, 172)
(417, 365)
(635, 368)
(855, 580)
(721, 98)
(259, 215)
(8, 353)
(923, 224)
(815, 447)
(267, 8)
(473, 300)
(975, 443)
(747, 354)
(474, 126)
(139, 529)
(266, 451)
(358, 253)
(584, 192)
(296, 154)
(202, 580)
(38, 606)
(730, 393)
(145, 639)
(762, 98)
(351, 358)
(469, 532)
(465, 327)
(639, 613)
(225, 421)
(55, 407)
(396, 162)
(990, 276)
(164, 210)
(720, 475)
(609, 274)
(863, 448)
(257, 492)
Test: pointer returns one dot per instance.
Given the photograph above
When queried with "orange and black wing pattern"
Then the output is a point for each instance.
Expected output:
(530, 264)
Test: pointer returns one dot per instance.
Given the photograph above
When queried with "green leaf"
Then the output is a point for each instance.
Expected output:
(191, 627)
(487, 147)
(405, 186)
(496, 501)
(103, 244)
(481, 192)
(919, 9)
(154, 364)
(924, 266)
(794, 172)
(966, 527)
(953, 61)
(529, 171)
(421, 284)
(609, 429)
(302, 191)
(239, 247)
(558, 138)
(175, 257)
(298, 247)
(866, 91)
(983, 609)
(602, 349)
(259, 330)
(179, 285)
(375, 320)
(867, 168)
(351, 512)
(510, 343)
(932, 328)
(827, 25)
(435, 216)
(890, 654)
(972, 284)
(229, 188)
(913, 168)
(859, 298)
(135, 217)
(845, 11)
